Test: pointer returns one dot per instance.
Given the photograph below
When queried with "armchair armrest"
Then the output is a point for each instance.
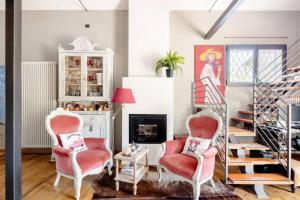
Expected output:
(173, 146)
(207, 158)
(96, 143)
(59, 151)
(211, 152)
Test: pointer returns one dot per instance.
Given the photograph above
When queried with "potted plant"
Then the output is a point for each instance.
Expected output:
(171, 61)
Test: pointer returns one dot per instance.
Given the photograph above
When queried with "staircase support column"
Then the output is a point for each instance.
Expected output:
(260, 191)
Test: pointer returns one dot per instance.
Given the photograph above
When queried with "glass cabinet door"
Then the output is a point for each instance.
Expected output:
(94, 83)
(73, 80)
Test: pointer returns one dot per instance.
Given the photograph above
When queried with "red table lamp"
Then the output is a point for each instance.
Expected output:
(121, 96)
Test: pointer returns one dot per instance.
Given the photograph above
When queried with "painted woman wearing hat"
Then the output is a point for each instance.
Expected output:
(211, 69)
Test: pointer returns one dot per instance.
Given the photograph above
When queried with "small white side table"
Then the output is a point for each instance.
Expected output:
(139, 168)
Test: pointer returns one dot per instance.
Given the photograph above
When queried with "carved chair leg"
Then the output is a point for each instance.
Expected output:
(109, 166)
(212, 182)
(196, 191)
(77, 185)
(159, 170)
(56, 180)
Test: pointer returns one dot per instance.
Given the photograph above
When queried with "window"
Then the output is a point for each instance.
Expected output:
(245, 61)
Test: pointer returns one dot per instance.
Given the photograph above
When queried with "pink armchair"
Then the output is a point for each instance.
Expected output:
(196, 171)
(71, 164)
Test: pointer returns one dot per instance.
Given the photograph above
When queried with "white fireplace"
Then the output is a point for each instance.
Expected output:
(154, 97)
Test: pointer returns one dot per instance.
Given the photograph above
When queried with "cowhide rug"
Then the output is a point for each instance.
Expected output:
(149, 188)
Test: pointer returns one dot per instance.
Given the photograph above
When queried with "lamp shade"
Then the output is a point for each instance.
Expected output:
(123, 96)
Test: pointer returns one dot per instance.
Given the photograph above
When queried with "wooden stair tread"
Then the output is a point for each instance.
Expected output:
(288, 88)
(259, 178)
(248, 146)
(290, 75)
(235, 131)
(293, 68)
(233, 161)
(257, 104)
(249, 121)
(245, 112)
(279, 82)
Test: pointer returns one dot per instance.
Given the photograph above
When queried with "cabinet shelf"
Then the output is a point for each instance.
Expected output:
(95, 84)
(71, 84)
(94, 69)
(72, 68)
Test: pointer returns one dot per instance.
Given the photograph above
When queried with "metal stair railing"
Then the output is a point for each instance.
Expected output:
(209, 96)
(272, 111)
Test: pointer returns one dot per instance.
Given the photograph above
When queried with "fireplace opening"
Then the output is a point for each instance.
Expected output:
(147, 128)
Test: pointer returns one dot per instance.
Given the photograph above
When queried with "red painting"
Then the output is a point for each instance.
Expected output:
(209, 62)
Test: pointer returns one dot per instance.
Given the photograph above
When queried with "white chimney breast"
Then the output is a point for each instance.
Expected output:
(153, 95)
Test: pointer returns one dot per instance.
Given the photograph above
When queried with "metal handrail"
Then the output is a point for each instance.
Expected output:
(294, 58)
(280, 76)
(217, 103)
(217, 90)
(283, 53)
(268, 90)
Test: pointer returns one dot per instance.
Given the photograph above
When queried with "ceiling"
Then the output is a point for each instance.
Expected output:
(279, 5)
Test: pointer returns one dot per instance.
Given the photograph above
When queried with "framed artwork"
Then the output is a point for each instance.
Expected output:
(209, 62)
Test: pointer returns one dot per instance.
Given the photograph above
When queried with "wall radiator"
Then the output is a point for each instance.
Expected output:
(39, 95)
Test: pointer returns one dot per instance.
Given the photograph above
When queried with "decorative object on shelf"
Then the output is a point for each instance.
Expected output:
(171, 61)
(83, 44)
(99, 78)
(132, 150)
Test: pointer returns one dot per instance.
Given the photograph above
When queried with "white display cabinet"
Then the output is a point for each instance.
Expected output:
(85, 74)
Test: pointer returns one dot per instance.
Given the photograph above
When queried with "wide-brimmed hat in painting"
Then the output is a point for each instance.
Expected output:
(217, 54)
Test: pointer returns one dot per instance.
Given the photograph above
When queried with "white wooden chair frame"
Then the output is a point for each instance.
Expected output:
(78, 176)
(195, 182)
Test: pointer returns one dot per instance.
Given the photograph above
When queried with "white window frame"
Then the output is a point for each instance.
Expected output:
(255, 48)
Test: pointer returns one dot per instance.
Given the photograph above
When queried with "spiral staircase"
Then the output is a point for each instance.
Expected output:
(267, 123)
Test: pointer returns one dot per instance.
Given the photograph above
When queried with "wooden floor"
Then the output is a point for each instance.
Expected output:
(38, 176)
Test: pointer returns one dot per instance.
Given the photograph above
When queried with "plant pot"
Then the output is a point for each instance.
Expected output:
(169, 73)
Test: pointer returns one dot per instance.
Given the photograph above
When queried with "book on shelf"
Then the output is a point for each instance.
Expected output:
(128, 169)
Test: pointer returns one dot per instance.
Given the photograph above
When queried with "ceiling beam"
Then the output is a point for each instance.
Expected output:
(223, 18)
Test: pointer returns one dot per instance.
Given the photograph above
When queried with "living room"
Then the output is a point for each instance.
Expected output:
(138, 83)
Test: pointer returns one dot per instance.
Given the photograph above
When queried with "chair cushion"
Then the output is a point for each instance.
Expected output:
(180, 164)
(91, 159)
(87, 161)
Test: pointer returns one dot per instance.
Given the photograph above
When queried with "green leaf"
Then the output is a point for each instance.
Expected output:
(172, 61)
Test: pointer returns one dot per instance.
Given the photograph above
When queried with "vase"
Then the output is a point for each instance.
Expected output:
(169, 73)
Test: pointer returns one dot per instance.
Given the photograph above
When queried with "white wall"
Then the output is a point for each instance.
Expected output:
(43, 31)
(172, 4)
(148, 36)
(186, 28)
(152, 96)
(149, 26)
